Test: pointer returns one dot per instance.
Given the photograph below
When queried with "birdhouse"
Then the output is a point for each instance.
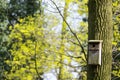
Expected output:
(94, 52)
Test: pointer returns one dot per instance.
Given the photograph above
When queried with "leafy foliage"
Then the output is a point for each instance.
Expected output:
(28, 50)
(32, 44)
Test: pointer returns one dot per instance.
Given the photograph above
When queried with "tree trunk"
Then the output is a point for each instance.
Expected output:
(62, 46)
(100, 28)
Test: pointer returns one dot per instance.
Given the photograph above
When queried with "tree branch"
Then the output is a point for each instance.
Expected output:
(70, 29)
(36, 61)
(76, 57)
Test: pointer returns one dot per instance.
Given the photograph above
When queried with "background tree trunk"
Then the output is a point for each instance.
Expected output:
(62, 46)
(100, 28)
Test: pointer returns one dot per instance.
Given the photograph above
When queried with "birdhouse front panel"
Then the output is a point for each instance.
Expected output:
(93, 46)
(94, 52)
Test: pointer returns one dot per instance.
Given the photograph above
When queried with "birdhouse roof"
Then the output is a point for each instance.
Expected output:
(95, 41)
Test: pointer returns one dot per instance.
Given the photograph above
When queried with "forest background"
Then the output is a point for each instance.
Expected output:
(40, 38)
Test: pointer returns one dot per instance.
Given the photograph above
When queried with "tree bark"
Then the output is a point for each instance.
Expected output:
(100, 28)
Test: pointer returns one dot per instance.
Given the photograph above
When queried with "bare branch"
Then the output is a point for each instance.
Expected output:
(39, 74)
(70, 29)
(74, 42)
(75, 57)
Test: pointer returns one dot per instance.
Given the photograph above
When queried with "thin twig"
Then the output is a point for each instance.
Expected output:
(70, 29)
(76, 57)
(116, 56)
(36, 61)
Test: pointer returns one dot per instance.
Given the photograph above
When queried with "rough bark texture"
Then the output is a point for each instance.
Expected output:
(100, 28)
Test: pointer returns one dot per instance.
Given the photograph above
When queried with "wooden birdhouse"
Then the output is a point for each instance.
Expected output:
(94, 52)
